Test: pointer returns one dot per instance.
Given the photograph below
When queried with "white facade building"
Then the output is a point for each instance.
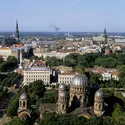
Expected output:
(65, 78)
(34, 74)
(120, 40)
(106, 76)
(51, 54)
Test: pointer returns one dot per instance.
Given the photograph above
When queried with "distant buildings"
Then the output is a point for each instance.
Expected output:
(5, 52)
(51, 54)
(120, 41)
(106, 73)
(26, 51)
(15, 51)
(7, 41)
(90, 49)
(11, 46)
(98, 38)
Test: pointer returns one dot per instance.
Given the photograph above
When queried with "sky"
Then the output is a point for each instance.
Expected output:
(68, 15)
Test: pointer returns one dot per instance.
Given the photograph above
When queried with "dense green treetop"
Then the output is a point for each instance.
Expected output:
(88, 60)
(17, 121)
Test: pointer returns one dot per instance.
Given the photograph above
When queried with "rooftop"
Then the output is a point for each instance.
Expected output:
(68, 73)
(38, 69)
(5, 48)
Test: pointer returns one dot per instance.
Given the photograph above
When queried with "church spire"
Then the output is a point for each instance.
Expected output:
(105, 35)
(17, 31)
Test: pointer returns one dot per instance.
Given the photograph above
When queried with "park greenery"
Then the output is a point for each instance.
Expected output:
(17, 121)
(80, 63)
(11, 110)
(88, 60)
(114, 113)
(50, 97)
(35, 90)
(3, 92)
(96, 79)
(11, 79)
(8, 65)
(37, 94)
(56, 119)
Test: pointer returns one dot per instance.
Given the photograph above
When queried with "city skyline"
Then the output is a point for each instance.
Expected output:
(71, 15)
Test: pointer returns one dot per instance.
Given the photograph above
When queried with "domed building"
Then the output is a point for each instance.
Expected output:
(75, 104)
(99, 103)
(23, 110)
(62, 87)
(79, 90)
(62, 100)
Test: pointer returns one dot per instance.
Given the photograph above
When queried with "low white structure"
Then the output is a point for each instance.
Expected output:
(65, 78)
(51, 54)
(106, 76)
(37, 73)
(88, 49)
(98, 38)
(5, 52)
(106, 73)
(118, 40)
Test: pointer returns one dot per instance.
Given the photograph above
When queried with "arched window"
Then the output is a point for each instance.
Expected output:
(80, 97)
(96, 105)
(23, 103)
(100, 106)
(62, 106)
(20, 103)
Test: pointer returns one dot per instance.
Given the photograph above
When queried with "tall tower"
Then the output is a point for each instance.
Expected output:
(17, 31)
(99, 103)
(23, 110)
(62, 100)
(105, 36)
(21, 60)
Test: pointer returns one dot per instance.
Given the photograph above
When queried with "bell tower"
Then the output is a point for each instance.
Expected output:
(23, 110)
(62, 100)
(99, 103)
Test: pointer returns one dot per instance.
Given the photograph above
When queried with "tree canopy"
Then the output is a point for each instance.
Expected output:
(17, 121)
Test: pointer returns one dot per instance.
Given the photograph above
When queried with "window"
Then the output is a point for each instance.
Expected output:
(20, 103)
(80, 97)
(62, 106)
(23, 103)
(96, 105)
(100, 106)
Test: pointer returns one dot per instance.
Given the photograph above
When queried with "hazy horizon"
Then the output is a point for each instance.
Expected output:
(68, 15)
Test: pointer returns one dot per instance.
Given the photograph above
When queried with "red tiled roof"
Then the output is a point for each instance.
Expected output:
(115, 73)
(18, 45)
(98, 70)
